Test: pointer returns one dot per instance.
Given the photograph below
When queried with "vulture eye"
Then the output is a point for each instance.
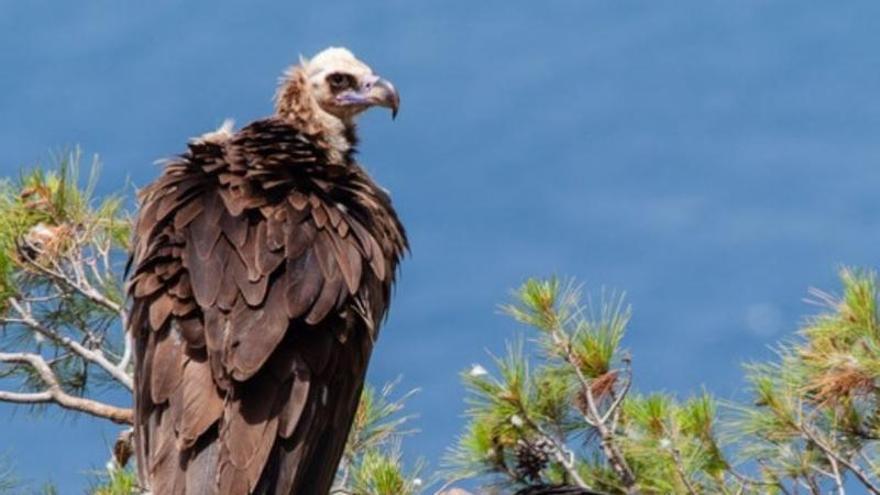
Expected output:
(340, 81)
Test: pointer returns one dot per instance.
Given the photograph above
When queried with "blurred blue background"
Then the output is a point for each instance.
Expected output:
(714, 159)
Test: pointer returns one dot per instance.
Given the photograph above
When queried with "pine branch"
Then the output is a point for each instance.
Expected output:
(54, 393)
(95, 356)
(832, 453)
(592, 416)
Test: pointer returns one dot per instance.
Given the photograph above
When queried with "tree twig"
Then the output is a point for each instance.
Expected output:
(679, 468)
(82, 286)
(593, 417)
(857, 471)
(562, 454)
(54, 393)
(95, 356)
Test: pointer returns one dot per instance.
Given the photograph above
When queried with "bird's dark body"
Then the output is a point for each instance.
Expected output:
(261, 271)
(556, 490)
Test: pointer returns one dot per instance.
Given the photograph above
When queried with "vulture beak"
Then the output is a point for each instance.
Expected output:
(375, 91)
(384, 94)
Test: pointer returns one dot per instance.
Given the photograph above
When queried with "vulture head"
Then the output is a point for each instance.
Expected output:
(333, 87)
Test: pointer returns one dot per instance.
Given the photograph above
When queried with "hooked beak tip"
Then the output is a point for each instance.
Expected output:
(389, 96)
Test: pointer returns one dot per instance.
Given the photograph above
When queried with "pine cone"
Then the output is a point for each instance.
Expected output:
(531, 458)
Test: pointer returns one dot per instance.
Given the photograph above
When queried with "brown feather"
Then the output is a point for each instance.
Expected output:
(299, 238)
(167, 476)
(364, 238)
(215, 334)
(298, 200)
(187, 214)
(343, 229)
(182, 307)
(334, 214)
(267, 260)
(327, 298)
(146, 284)
(275, 236)
(160, 309)
(253, 291)
(248, 253)
(205, 232)
(248, 432)
(304, 281)
(319, 214)
(324, 252)
(181, 288)
(167, 367)
(256, 333)
(235, 228)
(205, 273)
(377, 261)
(228, 291)
(295, 403)
(348, 259)
(201, 476)
(192, 331)
(202, 404)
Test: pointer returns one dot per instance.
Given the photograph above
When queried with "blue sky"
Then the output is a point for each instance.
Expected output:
(712, 159)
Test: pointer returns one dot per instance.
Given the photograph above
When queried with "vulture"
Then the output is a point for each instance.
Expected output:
(262, 264)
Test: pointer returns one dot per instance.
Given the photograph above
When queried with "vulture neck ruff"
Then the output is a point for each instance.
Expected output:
(295, 103)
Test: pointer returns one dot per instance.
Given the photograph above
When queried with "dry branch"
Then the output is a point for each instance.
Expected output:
(54, 393)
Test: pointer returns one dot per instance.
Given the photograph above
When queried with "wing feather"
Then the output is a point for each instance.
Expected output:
(167, 369)
(201, 402)
(267, 260)
(247, 435)
(203, 234)
(234, 228)
(187, 214)
(205, 273)
(160, 310)
(257, 333)
(304, 283)
(253, 292)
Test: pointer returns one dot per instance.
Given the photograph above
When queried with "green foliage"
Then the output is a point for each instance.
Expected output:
(381, 472)
(672, 446)
(526, 423)
(815, 410)
(60, 249)
(54, 199)
(372, 463)
(115, 482)
(8, 480)
(814, 421)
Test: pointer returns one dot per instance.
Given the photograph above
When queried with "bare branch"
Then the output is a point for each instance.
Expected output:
(55, 394)
(563, 455)
(25, 397)
(745, 480)
(613, 408)
(835, 475)
(593, 417)
(125, 360)
(80, 285)
(95, 356)
(857, 471)
(679, 468)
